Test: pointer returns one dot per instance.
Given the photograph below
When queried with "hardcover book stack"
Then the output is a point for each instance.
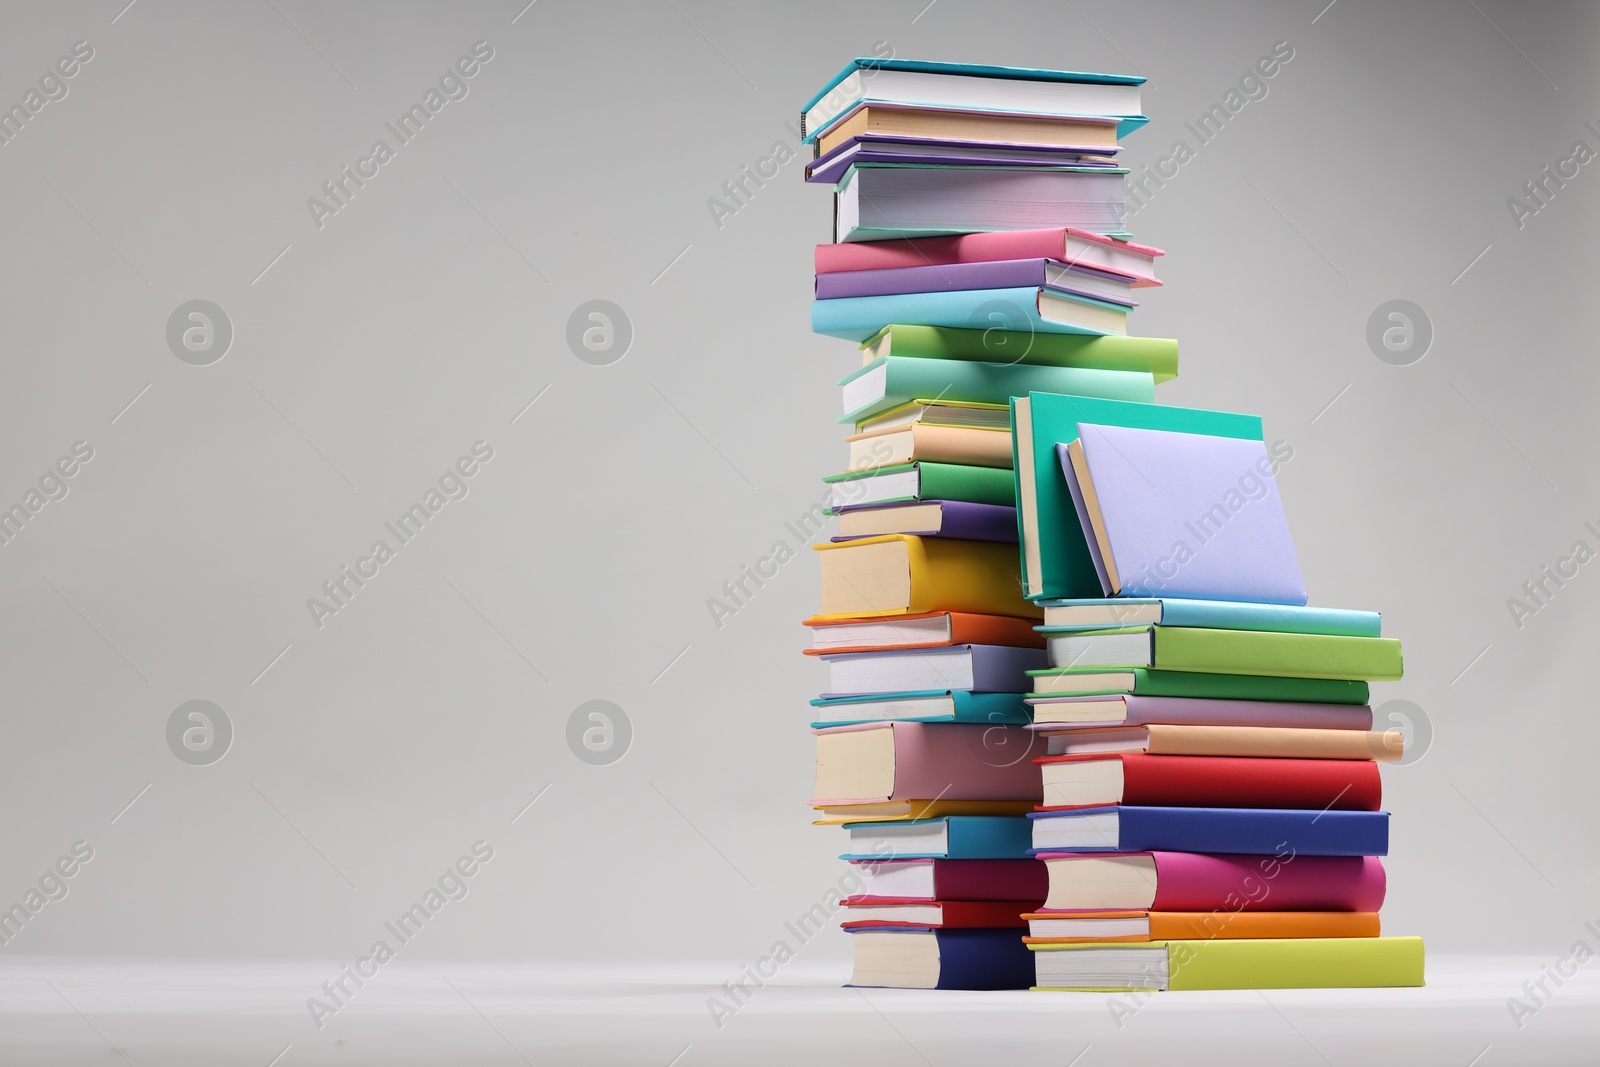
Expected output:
(972, 263)
(1080, 727)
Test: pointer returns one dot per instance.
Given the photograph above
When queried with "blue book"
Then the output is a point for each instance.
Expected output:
(927, 705)
(1250, 831)
(1062, 616)
(1025, 309)
(924, 958)
(954, 837)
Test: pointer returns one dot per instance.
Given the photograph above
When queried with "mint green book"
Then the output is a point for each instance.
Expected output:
(1157, 356)
(1202, 651)
(921, 480)
(1055, 557)
(1231, 963)
(894, 380)
(1143, 681)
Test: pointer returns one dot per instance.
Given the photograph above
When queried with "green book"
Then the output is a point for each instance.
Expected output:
(894, 380)
(1055, 557)
(1142, 681)
(1231, 963)
(923, 481)
(1204, 651)
(1157, 356)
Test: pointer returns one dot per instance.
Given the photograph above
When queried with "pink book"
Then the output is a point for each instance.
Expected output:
(1057, 714)
(878, 762)
(1191, 881)
(1064, 244)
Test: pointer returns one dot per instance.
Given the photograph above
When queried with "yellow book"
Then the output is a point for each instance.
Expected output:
(900, 574)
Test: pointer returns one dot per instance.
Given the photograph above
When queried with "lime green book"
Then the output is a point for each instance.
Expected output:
(923, 481)
(1203, 651)
(1153, 355)
(1231, 963)
(1142, 681)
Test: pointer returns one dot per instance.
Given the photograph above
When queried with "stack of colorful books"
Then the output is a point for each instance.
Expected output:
(1170, 783)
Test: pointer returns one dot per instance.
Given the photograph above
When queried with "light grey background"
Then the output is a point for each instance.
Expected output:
(425, 316)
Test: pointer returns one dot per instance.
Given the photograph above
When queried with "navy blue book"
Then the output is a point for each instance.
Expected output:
(953, 837)
(1250, 831)
(923, 958)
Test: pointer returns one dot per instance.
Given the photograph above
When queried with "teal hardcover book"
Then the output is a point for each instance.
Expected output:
(1019, 310)
(871, 79)
(954, 837)
(891, 381)
(932, 705)
(1056, 563)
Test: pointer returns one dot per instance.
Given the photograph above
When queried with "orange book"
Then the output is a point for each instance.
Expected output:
(928, 629)
(1059, 927)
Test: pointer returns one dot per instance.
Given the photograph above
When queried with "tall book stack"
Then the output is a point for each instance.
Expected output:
(1080, 726)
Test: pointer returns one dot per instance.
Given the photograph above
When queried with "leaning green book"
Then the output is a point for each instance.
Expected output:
(1230, 963)
(1190, 648)
(1157, 356)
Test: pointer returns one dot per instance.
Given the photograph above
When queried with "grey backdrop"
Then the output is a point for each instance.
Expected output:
(371, 352)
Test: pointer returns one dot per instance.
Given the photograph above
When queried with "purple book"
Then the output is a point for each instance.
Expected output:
(960, 519)
(880, 148)
(996, 274)
(1205, 711)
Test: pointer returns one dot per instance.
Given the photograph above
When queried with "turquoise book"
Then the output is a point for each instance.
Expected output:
(1025, 310)
(934, 705)
(891, 381)
(954, 837)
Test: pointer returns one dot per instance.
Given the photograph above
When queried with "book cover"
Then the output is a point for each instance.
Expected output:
(1192, 881)
(1144, 681)
(857, 318)
(1157, 356)
(1297, 963)
(1244, 831)
(1100, 613)
(899, 574)
(1060, 243)
(1181, 515)
(1140, 710)
(1204, 651)
(897, 380)
(964, 706)
(915, 761)
(960, 519)
(1230, 781)
(954, 837)
(964, 628)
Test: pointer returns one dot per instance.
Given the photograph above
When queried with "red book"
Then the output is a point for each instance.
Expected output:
(1209, 782)
(869, 912)
(947, 880)
(1063, 244)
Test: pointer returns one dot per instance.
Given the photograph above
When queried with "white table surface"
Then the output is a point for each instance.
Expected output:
(147, 1013)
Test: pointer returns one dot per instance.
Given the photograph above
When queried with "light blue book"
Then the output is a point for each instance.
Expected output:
(1065, 616)
(1025, 310)
(954, 837)
(932, 705)
(1182, 515)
